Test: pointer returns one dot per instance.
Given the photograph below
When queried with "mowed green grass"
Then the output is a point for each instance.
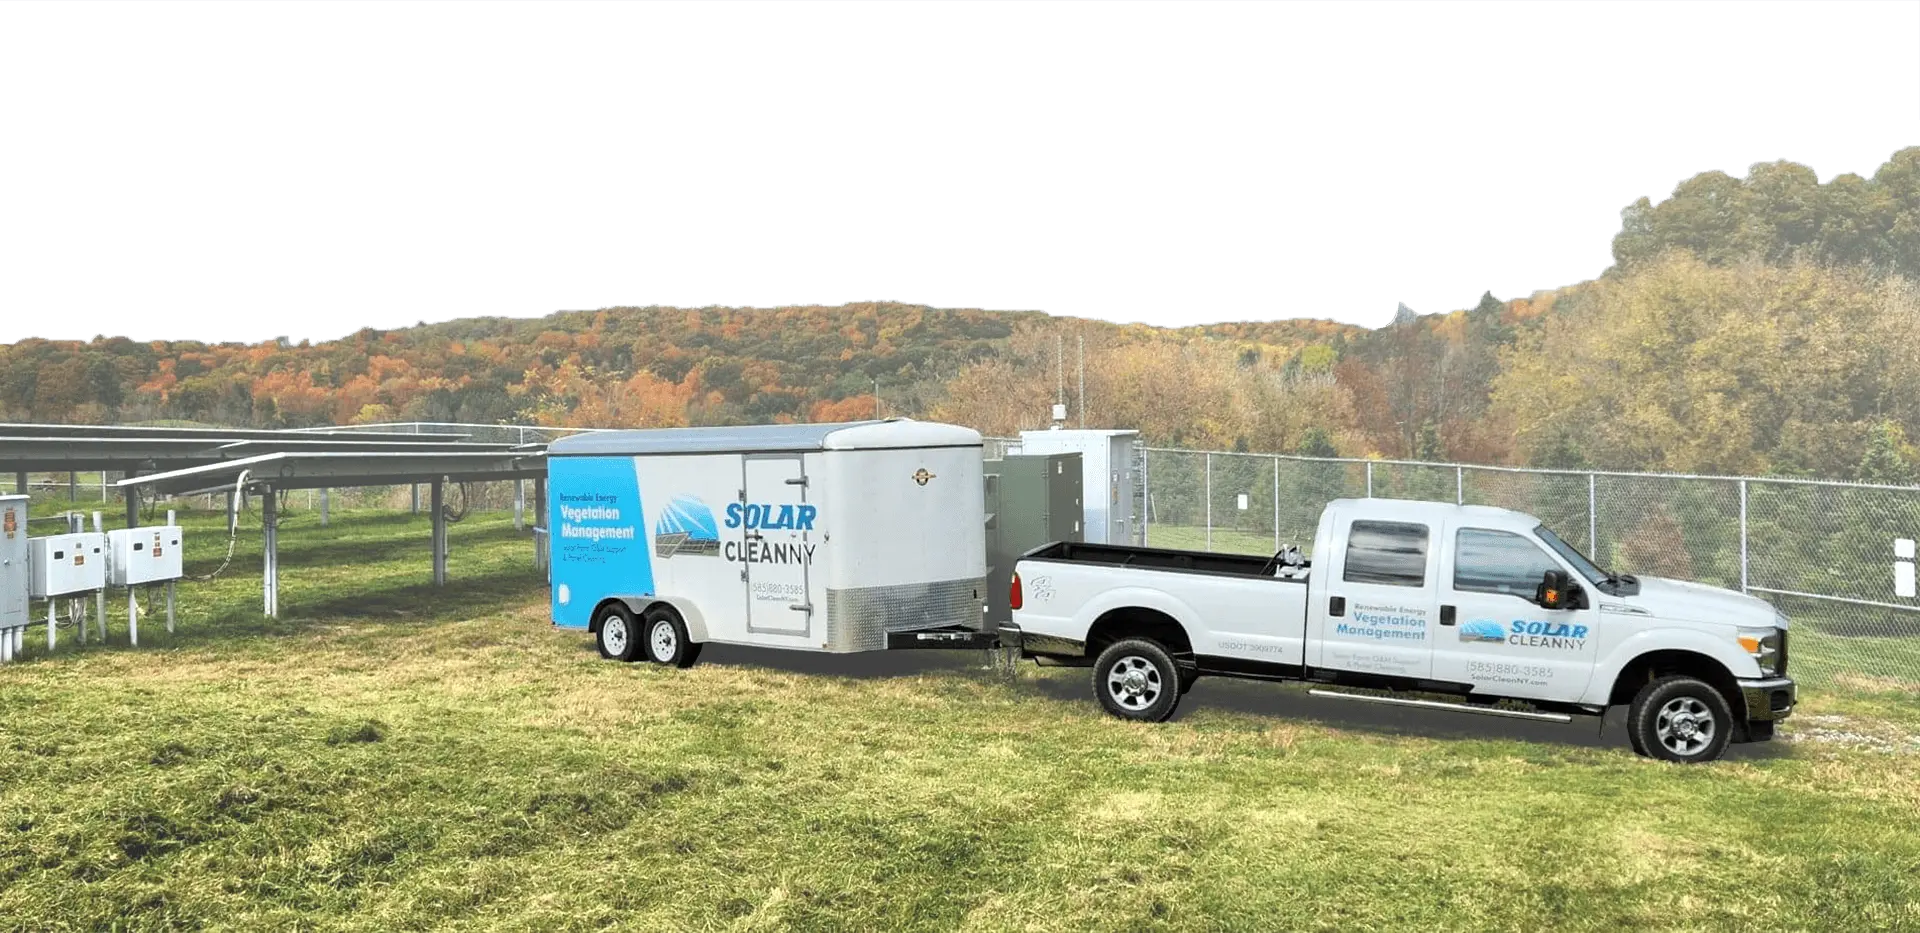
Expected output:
(390, 756)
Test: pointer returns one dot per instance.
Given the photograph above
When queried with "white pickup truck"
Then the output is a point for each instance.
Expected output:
(1407, 603)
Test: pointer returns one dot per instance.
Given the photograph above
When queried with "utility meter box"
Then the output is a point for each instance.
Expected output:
(13, 562)
(143, 555)
(69, 563)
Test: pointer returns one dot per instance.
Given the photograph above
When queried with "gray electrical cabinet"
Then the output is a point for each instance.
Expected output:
(14, 580)
(1031, 500)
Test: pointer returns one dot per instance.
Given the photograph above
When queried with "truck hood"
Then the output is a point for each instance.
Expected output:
(1682, 601)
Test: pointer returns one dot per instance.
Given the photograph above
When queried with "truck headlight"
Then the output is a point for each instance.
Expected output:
(1764, 645)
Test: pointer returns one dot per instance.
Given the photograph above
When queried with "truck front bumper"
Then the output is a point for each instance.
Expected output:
(1768, 700)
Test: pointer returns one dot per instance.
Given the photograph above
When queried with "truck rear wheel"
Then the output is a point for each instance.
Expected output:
(1680, 719)
(617, 636)
(667, 641)
(1136, 679)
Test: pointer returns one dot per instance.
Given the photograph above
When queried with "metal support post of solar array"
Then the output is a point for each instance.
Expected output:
(242, 462)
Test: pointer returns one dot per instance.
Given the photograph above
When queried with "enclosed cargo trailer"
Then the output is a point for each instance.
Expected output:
(815, 537)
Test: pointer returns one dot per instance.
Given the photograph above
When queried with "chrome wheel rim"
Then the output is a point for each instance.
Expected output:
(663, 640)
(1134, 683)
(613, 634)
(1684, 726)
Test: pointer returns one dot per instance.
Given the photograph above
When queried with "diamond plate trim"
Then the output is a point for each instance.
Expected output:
(859, 619)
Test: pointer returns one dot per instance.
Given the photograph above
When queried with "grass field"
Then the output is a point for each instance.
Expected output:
(389, 756)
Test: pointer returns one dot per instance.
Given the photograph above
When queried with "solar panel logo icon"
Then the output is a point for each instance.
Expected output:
(686, 527)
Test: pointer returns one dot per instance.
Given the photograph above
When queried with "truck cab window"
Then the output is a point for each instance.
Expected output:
(1387, 554)
(1488, 561)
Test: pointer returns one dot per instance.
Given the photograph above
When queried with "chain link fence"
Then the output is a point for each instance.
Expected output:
(1826, 553)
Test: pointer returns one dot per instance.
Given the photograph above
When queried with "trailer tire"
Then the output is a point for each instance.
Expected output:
(617, 636)
(1135, 678)
(1680, 719)
(666, 638)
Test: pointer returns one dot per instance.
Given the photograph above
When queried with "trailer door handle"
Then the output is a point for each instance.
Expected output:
(1447, 616)
(1336, 606)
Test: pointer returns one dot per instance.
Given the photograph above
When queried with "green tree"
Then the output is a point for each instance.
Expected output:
(1888, 457)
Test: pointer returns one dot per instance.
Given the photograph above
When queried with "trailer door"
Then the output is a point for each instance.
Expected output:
(778, 545)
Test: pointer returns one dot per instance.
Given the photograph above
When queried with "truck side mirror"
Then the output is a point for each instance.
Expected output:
(1553, 592)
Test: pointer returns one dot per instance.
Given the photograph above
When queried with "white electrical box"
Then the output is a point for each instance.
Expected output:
(1107, 481)
(13, 562)
(143, 555)
(69, 563)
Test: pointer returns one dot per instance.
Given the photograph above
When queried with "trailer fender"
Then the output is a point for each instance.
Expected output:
(689, 614)
(638, 605)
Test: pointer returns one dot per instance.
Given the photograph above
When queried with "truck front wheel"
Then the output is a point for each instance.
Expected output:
(1136, 679)
(1680, 719)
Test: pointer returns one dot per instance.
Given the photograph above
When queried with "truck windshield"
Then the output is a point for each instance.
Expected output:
(1579, 561)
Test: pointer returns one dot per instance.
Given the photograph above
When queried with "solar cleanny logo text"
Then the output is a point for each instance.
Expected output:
(687, 527)
(1525, 633)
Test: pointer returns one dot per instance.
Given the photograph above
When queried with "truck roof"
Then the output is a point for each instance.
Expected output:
(888, 434)
(1422, 510)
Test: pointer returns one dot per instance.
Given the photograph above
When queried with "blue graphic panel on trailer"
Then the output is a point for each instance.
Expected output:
(599, 536)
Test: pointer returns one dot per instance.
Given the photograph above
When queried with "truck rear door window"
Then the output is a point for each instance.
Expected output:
(1487, 561)
(1387, 553)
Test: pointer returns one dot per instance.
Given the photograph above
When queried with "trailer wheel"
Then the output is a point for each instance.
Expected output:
(617, 636)
(667, 641)
(1136, 679)
(1680, 719)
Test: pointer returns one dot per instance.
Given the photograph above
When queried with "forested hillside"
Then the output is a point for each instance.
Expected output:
(1766, 324)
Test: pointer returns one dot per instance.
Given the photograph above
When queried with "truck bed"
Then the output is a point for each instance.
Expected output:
(1147, 558)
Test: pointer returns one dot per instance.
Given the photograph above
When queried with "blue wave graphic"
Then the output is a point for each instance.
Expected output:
(687, 515)
(1483, 630)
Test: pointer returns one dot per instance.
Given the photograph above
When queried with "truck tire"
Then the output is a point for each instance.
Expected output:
(618, 636)
(1680, 719)
(666, 638)
(1136, 679)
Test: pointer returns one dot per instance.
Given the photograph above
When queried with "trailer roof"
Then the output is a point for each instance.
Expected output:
(767, 438)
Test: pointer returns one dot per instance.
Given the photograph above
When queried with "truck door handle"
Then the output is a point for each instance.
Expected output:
(1447, 616)
(1336, 606)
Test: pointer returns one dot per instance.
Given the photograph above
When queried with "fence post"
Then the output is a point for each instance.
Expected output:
(1209, 489)
(1276, 505)
(1146, 493)
(1369, 479)
(1459, 485)
(1593, 520)
(1743, 536)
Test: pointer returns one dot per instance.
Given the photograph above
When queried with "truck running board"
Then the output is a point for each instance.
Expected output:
(1435, 704)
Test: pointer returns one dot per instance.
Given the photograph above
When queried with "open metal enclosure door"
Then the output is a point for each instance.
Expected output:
(777, 545)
